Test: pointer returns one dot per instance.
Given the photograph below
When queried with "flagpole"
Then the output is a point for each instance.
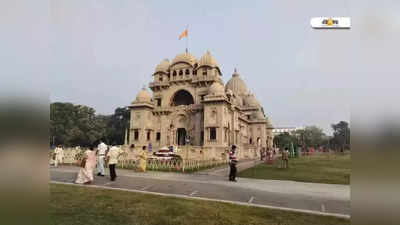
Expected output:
(187, 37)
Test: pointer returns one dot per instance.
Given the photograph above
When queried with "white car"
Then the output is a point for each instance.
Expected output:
(164, 154)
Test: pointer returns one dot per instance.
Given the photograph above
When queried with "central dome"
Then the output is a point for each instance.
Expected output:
(185, 57)
(236, 85)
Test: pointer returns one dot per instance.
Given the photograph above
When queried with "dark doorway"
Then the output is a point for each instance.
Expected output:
(182, 97)
(181, 136)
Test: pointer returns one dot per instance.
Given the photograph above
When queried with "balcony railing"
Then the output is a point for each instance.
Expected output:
(159, 84)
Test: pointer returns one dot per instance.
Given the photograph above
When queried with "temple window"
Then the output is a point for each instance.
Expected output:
(187, 72)
(158, 136)
(180, 72)
(136, 134)
(195, 72)
(158, 101)
(148, 135)
(213, 133)
(204, 71)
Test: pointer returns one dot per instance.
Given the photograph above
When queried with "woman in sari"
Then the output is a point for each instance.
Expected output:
(142, 160)
(85, 175)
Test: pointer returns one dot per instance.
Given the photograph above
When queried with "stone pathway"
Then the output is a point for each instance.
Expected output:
(326, 199)
(225, 170)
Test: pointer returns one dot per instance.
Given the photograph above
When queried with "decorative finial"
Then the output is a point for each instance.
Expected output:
(235, 73)
(144, 87)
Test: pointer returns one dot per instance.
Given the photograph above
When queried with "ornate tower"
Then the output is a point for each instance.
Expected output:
(141, 125)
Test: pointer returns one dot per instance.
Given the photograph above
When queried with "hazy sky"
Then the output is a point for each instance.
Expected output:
(100, 53)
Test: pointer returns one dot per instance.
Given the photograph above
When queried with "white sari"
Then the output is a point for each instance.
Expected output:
(86, 174)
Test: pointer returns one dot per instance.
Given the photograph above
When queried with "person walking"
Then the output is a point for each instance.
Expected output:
(85, 174)
(112, 158)
(232, 163)
(285, 158)
(101, 151)
(261, 154)
(142, 160)
(59, 156)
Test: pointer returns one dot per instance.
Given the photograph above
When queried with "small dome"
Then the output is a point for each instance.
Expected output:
(258, 115)
(143, 96)
(236, 84)
(229, 92)
(250, 100)
(185, 57)
(269, 124)
(216, 89)
(239, 100)
(163, 66)
(207, 60)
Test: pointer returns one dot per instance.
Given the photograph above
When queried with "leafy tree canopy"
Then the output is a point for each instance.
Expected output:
(78, 125)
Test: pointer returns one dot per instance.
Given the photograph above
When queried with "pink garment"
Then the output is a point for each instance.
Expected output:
(91, 159)
(86, 174)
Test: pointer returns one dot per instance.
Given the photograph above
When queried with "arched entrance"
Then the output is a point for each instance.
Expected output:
(181, 136)
(182, 97)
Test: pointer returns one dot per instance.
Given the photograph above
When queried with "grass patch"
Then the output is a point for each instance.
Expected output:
(318, 168)
(89, 206)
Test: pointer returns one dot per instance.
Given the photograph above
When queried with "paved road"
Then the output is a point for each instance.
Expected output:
(213, 184)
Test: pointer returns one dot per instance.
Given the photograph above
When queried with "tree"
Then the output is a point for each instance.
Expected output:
(78, 125)
(311, 136)
(284, 140)
(341, 136)
(73, 125)
(117, 125)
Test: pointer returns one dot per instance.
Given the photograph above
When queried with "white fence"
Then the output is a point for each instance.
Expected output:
(129, 159)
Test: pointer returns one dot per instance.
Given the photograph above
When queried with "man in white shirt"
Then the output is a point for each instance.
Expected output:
(59, 152)
(112, 158)
(101, 148)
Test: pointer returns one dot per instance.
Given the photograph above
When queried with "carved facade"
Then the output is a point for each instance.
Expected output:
(191, 106)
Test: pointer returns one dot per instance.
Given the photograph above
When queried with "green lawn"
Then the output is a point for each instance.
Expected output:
(71, 205)
(319, 168)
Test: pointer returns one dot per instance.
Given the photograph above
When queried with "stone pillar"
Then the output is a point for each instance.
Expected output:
(126, 138)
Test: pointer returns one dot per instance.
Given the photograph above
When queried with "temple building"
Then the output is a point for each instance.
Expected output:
(190, 105)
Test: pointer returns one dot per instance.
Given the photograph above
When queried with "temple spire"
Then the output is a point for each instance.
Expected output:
(235, 73)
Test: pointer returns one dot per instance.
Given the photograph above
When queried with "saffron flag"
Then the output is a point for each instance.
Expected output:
(184, 34)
